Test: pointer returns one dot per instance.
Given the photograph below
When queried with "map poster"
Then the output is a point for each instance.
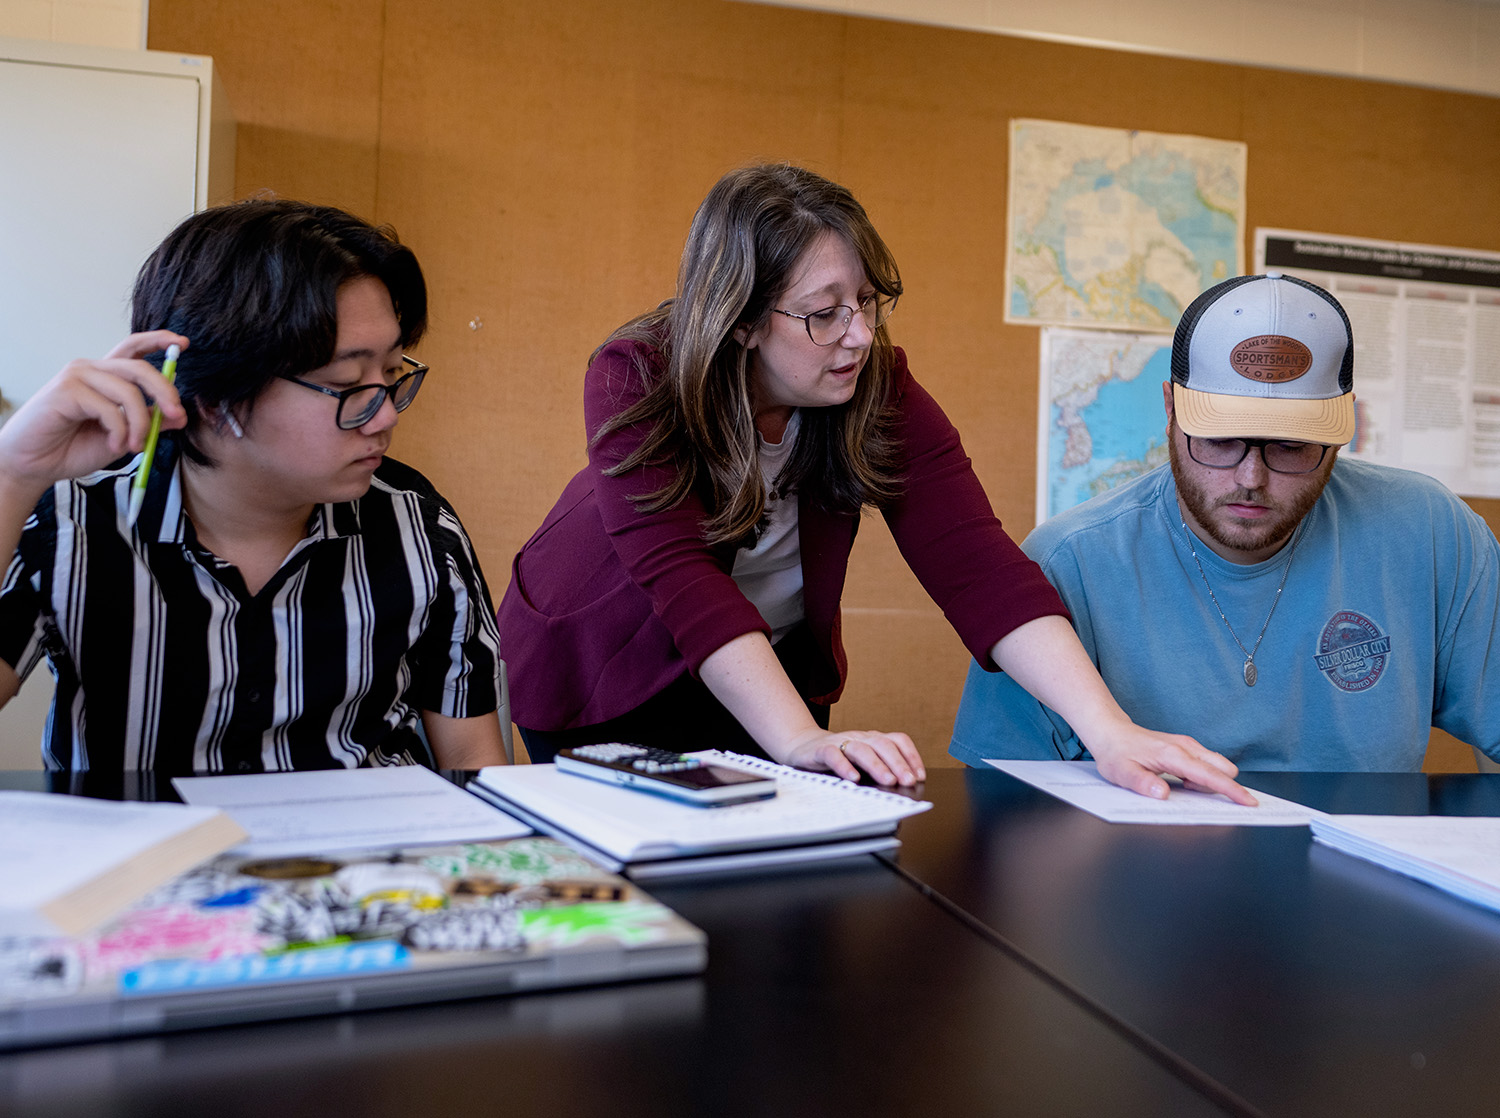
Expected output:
(1113, 228)
(1101, 419)
(1426, 323)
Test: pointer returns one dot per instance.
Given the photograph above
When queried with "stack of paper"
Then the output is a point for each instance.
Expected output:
(1458, 854)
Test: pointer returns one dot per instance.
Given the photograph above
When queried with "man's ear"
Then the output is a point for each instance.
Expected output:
(223, 420)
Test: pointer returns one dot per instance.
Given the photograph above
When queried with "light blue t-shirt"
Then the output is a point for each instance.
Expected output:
(1386, 627)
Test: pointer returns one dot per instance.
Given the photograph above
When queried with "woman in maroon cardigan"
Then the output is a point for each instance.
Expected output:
(684, 591)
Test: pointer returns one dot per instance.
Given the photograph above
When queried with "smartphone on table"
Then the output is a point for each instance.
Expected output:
(664, 773)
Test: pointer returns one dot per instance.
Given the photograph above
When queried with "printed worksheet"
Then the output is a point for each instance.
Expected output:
(1079, 783)
(295, 812)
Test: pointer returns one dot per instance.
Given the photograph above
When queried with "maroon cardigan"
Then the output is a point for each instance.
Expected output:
(607, 606)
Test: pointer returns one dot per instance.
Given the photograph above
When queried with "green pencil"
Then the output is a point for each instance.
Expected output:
(143, 471)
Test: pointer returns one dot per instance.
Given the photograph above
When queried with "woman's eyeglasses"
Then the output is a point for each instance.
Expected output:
(830, 324)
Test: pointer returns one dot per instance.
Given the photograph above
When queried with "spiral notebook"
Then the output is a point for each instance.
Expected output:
(812, 817)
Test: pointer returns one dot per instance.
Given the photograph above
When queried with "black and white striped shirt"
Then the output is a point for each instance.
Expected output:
(163, 660)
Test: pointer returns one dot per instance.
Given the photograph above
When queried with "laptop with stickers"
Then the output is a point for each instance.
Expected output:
(250, 939)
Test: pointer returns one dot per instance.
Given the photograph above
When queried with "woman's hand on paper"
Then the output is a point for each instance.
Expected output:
(889, 758)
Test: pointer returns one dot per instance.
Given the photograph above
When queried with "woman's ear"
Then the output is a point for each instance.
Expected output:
(747, 337)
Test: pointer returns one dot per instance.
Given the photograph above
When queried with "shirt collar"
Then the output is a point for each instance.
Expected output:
(164, 519)
(333, 521)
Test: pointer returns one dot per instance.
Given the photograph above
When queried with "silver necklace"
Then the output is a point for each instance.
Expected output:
(1250, 673)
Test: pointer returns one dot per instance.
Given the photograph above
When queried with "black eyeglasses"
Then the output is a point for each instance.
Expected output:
(1280, 456)
(358, 405)
(830, 324)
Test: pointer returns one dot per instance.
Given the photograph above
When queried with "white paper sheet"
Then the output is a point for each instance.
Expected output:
(1079, 783)
(313, 812)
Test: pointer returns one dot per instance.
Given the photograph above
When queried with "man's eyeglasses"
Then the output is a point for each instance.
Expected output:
(358, 405)
(1279, 456)
(830, 324)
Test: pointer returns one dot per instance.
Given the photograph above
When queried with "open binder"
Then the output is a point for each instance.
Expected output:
(813, 817)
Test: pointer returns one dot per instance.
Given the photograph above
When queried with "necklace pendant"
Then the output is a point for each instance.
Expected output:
(1250, 673)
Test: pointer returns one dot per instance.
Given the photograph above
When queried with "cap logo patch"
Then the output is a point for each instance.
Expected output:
(1271, 358)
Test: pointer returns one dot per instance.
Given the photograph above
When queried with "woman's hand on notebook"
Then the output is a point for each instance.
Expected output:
(890, 758)
(746, 677)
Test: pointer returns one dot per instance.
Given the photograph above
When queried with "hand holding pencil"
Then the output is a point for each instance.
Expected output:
(87, 416)
(143, 471)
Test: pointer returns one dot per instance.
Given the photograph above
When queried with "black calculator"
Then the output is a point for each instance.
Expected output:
(665, 773)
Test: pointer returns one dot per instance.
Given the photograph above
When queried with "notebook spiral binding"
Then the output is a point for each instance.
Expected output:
(786, 772)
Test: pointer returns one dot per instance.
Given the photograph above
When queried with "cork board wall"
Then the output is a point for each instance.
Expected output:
(544, 161)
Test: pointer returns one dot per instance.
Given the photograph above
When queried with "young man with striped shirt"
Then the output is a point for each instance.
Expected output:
(288, 598)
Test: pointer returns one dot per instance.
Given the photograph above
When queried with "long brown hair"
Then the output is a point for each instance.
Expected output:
(741, 253)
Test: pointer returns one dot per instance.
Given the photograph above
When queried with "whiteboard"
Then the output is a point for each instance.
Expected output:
(98, 166)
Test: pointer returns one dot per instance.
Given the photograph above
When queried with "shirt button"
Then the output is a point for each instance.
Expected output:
(254, 696)
(243, 766)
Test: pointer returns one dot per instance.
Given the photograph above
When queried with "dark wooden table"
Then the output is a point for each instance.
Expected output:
(839, 990)
(1297, 979)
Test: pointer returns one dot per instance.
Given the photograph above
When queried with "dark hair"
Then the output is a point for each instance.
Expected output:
(254, 287)
(742, 251)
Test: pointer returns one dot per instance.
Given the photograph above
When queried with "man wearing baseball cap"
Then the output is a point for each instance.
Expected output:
(1285, 608)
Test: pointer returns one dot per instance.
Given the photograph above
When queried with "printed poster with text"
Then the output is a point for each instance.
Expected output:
(1426, 322)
